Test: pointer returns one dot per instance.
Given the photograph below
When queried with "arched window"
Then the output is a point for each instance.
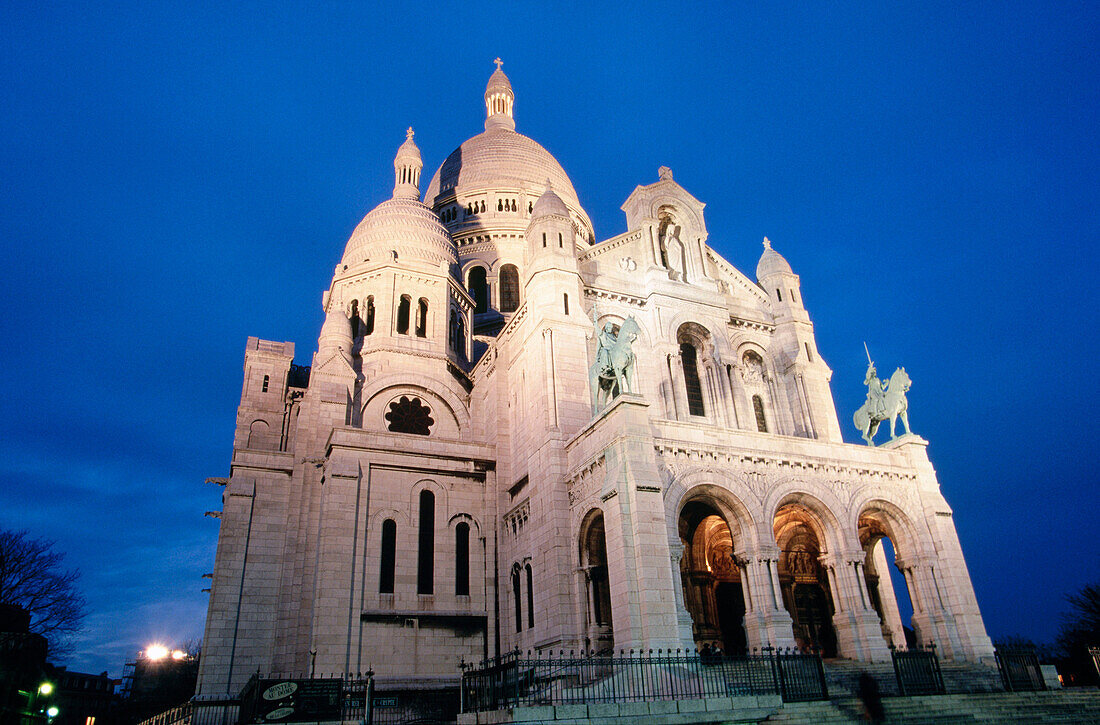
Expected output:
(482, 205)
(531, 206)
(758, 408)
(544, 239)
(389, 556)
(460, 340)
(425, 563)
(479, 289)
(565, 301)
(779, 294)
(403, 310)
(500, 204)
(561, 241)
(422, 318)
(516, 597)
(530, 598)
(452, 330)
(509, 288)
(356, 330)
(691, 379)
(267, 380)
(462, 559)
(369, 322)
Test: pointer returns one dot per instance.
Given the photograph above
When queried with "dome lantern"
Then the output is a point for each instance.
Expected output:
(499, 100)
(406, 168)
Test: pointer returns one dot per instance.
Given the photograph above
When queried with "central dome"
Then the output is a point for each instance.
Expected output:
(499, 158)
(501, 166)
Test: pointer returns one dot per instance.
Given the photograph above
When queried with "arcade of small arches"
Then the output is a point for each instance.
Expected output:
(507, 290)
(803, 585)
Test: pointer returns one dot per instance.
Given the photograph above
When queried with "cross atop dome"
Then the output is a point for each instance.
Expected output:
(409, 133)
(767, 243)
(499, 62)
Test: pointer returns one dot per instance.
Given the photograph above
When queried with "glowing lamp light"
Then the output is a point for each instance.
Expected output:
(52, 712)
(178, 654)
(156, 652)
(45, 688)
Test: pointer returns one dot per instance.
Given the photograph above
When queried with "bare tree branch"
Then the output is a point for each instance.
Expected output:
(32, 578)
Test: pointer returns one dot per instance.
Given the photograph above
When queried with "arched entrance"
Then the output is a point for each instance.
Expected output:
(599, 632)
(711, 577)
(890, 598)
(802, 580)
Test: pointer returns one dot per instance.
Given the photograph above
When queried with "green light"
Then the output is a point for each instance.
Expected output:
(45, 688)
(52, 712)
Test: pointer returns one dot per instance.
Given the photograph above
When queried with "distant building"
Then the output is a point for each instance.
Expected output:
(437, 487)
(153, 684)
(82, 698)
(22, 666)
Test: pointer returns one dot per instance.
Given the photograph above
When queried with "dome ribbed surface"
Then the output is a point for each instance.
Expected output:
(502, 159)
(498, 81)
(405, 226)
(549, 203)
(771, 262)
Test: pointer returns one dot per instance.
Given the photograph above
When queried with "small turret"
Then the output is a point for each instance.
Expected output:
(406, 167)
(550, 241)
(499, 100)
(776, 277)
(335, 335)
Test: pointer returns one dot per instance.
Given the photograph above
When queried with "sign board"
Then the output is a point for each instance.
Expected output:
(278, 701)
(385, 702)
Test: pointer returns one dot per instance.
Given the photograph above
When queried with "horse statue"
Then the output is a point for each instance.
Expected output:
(613, 371)
(888, 403)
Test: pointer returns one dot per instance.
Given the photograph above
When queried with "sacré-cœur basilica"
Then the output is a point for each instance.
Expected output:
(515, 435)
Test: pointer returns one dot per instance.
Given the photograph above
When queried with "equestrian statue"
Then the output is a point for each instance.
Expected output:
(885, 401)
(613, 371)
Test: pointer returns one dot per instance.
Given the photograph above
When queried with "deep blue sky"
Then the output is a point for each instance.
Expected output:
(175, 177)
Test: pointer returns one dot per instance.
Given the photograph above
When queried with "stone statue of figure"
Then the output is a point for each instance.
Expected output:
(674, 252)
(885, 401)
(605, 340)
(876, 392)
(613, 371)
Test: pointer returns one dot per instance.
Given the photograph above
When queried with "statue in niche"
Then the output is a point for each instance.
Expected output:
(753, 369)
(613, 371)
(674, 253)
(885, 401)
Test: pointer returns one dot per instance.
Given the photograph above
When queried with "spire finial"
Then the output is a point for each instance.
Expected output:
(549, 186)
(767, 243)
(499, 62)
(409, 133)
(664, 173)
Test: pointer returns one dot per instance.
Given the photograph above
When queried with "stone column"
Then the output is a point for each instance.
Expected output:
(858, 629)
(679, 385)
(683, 616)
(768, 624)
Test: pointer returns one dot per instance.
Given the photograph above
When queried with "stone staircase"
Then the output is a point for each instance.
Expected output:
(1075, 706)
(842, 677)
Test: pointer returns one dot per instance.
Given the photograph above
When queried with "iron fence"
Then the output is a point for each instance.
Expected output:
(917, 670)
(561, 678)
(1019, 668)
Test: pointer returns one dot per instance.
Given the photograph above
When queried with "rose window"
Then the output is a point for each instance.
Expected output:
(409, 415)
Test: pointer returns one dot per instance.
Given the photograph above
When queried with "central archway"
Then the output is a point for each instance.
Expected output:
(802, 580)
(711, 576)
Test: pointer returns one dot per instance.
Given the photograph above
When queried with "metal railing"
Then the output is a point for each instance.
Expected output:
(1019, 668)
(917, 670)
(517, 679)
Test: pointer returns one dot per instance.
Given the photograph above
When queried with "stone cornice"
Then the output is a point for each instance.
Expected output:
(609, 244)
(599, 293)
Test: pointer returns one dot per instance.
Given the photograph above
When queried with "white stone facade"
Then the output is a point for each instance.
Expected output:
(436, 487)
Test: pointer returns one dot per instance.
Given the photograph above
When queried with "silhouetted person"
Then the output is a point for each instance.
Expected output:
(872, 700)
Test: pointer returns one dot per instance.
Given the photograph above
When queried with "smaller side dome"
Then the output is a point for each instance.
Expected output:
(549, 203)
(771, 262)
(499, 100)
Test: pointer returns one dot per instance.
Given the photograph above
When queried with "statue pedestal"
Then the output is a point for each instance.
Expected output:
(907, 439)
